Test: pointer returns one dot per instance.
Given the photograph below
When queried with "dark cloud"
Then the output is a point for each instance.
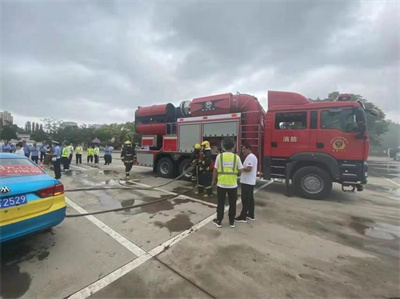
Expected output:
(97, 61)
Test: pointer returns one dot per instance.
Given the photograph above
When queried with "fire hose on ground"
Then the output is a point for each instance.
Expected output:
(136, 187)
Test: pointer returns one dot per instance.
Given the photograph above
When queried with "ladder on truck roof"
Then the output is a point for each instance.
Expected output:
(252, 134)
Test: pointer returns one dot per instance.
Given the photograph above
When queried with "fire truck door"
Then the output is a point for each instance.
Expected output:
(290, 134)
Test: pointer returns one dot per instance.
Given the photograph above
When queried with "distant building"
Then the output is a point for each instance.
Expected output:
(68, 124)
(6, 118)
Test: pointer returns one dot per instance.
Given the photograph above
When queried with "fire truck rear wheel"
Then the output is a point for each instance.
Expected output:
(312, 182)
(165, 168)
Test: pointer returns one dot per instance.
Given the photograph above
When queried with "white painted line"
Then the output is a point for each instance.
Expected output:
(263, 186)
(110, 278)
(174, 193)
(136, 250)
(393, 182)
(157, 250)
(389, 180)
(80, 168)
(145, 256)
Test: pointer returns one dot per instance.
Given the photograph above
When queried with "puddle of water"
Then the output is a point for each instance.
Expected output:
(377, 230)
(108, 172)
(71, 173)
(259, 203)
(180, 200)
(14, 284)
(105, 200)
(165, 205)
(180, 223)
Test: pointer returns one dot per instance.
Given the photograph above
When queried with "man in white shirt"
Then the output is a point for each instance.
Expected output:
(247, 183)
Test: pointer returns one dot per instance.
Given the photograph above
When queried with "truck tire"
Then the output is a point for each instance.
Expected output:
(312, 182)
(181, 169)
(165, 167)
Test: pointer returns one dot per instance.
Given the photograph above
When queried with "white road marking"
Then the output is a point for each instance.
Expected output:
(157, 250)
(389, 180)
(174, 193)
(136, 250)
(144, 256)
(110, 278)
(80, 168)
(393, 182)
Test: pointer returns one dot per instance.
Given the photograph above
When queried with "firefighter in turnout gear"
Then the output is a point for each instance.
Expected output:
(127, 156)
(194, 159)
(205, 170)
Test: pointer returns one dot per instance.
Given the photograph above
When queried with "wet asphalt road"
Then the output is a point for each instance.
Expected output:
(170, 249)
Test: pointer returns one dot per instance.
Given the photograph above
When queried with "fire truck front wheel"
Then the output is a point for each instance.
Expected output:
(312, 182)
(165, 168)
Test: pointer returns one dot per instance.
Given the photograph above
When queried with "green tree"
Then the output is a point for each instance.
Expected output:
(8, 132)
(377, 125)
(51, 126)
(40, 136)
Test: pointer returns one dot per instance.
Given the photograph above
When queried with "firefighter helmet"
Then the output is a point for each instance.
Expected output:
(206, 144)
(197, 146)
(128, 142)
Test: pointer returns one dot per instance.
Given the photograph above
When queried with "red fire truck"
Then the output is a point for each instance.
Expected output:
(310, 144)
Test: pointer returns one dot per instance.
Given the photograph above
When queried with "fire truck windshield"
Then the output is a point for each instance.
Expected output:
(345, 120)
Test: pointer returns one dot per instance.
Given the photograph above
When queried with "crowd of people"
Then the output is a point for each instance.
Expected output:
(58, 155)
(34, 152)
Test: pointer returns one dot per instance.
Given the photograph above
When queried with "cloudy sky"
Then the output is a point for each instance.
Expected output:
(96, 61)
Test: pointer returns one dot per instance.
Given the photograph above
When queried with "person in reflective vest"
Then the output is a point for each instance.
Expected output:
(65, 156)
(78, 154)
(226, 170)
(96, 152)
(127, 156)
(205, 170)
(90, 153)
(193, 161)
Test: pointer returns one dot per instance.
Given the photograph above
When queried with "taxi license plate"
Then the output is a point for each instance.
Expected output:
(12, 201)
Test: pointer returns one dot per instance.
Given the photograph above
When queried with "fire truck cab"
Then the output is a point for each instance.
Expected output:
(311, 144)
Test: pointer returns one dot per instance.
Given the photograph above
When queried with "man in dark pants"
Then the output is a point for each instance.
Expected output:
(43, 152)
(247, 183)
(26, 148)
(226, 169)
(205, 171)
(65, 156)
(193, 161)
(56, 160)
(127, 156)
